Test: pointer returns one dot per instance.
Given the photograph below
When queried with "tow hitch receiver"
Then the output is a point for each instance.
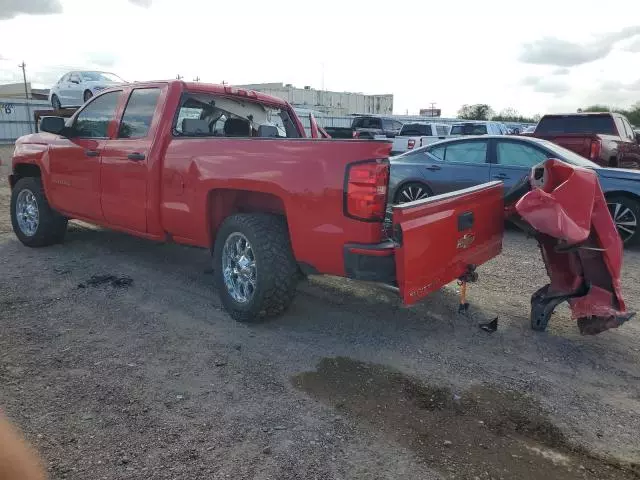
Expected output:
(469, 276)
(565, 209)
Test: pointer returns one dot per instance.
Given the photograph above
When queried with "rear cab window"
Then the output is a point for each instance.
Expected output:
(469, 129)
(576, 124)
(209, 115)
(415, 130)
(367, 122)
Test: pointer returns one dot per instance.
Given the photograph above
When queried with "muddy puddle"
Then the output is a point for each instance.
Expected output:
(481, 433)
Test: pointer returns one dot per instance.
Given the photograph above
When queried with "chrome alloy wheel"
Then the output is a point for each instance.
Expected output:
(27, 212)
(239, 268)
(411, 193)
(625, 220)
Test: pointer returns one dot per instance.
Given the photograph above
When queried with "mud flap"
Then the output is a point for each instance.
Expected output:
(439, 237)
(580, 246)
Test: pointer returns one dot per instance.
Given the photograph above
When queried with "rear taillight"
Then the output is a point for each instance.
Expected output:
(411, 143)
(356, 134)
(365, 194)
(596, 147)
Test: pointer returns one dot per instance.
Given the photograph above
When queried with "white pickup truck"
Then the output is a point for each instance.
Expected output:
(418, 134)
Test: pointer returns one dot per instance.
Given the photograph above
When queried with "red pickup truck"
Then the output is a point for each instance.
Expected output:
(233, 171)
(605, 138)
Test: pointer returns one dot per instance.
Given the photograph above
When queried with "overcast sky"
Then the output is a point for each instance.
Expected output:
(537, 57)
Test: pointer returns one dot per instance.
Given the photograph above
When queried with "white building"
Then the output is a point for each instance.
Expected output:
(329, 103)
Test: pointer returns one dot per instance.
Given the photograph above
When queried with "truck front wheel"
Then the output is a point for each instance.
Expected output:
(255, 272)
(34, 222)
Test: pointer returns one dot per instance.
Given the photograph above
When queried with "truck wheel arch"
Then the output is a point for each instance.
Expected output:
(224, 202)
(23, 170)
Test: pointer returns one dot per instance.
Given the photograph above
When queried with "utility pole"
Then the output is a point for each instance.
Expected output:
(23, 66)
(432, 109)
(179, 77)
(197, 79)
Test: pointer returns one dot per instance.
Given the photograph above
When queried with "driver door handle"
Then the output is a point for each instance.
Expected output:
(92, 153)
(434, 168)
(136, 157)
(501, 176)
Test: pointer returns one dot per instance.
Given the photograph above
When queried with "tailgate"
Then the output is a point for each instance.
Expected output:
(441, 235)
(581, 144)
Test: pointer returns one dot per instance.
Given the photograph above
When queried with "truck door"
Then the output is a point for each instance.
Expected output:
(74, 162)
(125, 163)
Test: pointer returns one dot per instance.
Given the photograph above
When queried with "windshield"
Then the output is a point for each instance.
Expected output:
(469, 129)
(565, 154)
(101, 77)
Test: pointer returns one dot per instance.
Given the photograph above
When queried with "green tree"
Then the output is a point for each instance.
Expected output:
(512, 115)
(478, 111)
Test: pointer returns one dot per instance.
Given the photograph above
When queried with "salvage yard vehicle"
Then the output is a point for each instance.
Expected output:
(375, 127)
(233, 171)
(478, 128)
(75, 88)
(453, 164)
(418, 134)
(606, 138)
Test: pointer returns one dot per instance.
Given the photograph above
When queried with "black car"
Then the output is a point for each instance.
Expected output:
(370, 127)
(459, 163)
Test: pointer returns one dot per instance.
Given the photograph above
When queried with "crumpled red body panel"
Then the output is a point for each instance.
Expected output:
(579, 242)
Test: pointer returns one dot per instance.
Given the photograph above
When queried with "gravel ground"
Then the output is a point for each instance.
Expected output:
(153, 380)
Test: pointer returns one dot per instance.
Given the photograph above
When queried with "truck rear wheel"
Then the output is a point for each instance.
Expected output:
(34, 222)
(255, 272)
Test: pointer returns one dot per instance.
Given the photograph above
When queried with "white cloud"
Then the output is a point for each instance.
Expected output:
(448, 53)
(563, 53)
(12, 8)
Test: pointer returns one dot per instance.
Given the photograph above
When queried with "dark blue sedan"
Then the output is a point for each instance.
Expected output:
(463, 162)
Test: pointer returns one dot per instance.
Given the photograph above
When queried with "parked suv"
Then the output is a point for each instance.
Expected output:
(374, 127)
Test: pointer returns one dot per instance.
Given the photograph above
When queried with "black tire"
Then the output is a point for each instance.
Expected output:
(87, 95)
(51, 226)
(55, 102)
(625, 212)
(409, 189)
(276, 269)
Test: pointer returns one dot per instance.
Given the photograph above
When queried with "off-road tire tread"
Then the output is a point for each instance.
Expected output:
(52, 226)
(277, 269)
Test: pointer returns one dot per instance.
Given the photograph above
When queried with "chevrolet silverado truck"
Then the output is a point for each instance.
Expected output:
(418, 134)
(233, 171)
(605, 138)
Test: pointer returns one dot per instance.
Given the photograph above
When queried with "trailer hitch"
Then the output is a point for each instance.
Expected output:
(469, 276)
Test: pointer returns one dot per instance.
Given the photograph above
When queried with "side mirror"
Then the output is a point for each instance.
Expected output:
(53, 125)
(77, 82)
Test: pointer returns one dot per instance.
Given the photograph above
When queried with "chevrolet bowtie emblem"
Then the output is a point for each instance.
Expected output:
(466, 241)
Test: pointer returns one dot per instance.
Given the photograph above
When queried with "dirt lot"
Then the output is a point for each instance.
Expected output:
(154, 381)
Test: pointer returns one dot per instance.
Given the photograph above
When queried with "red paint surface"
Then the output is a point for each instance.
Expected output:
(186, 186)
(569, 207)
(430, 257)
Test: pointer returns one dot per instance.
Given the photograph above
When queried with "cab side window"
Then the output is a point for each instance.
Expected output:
(138, 113)
(93, 121)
